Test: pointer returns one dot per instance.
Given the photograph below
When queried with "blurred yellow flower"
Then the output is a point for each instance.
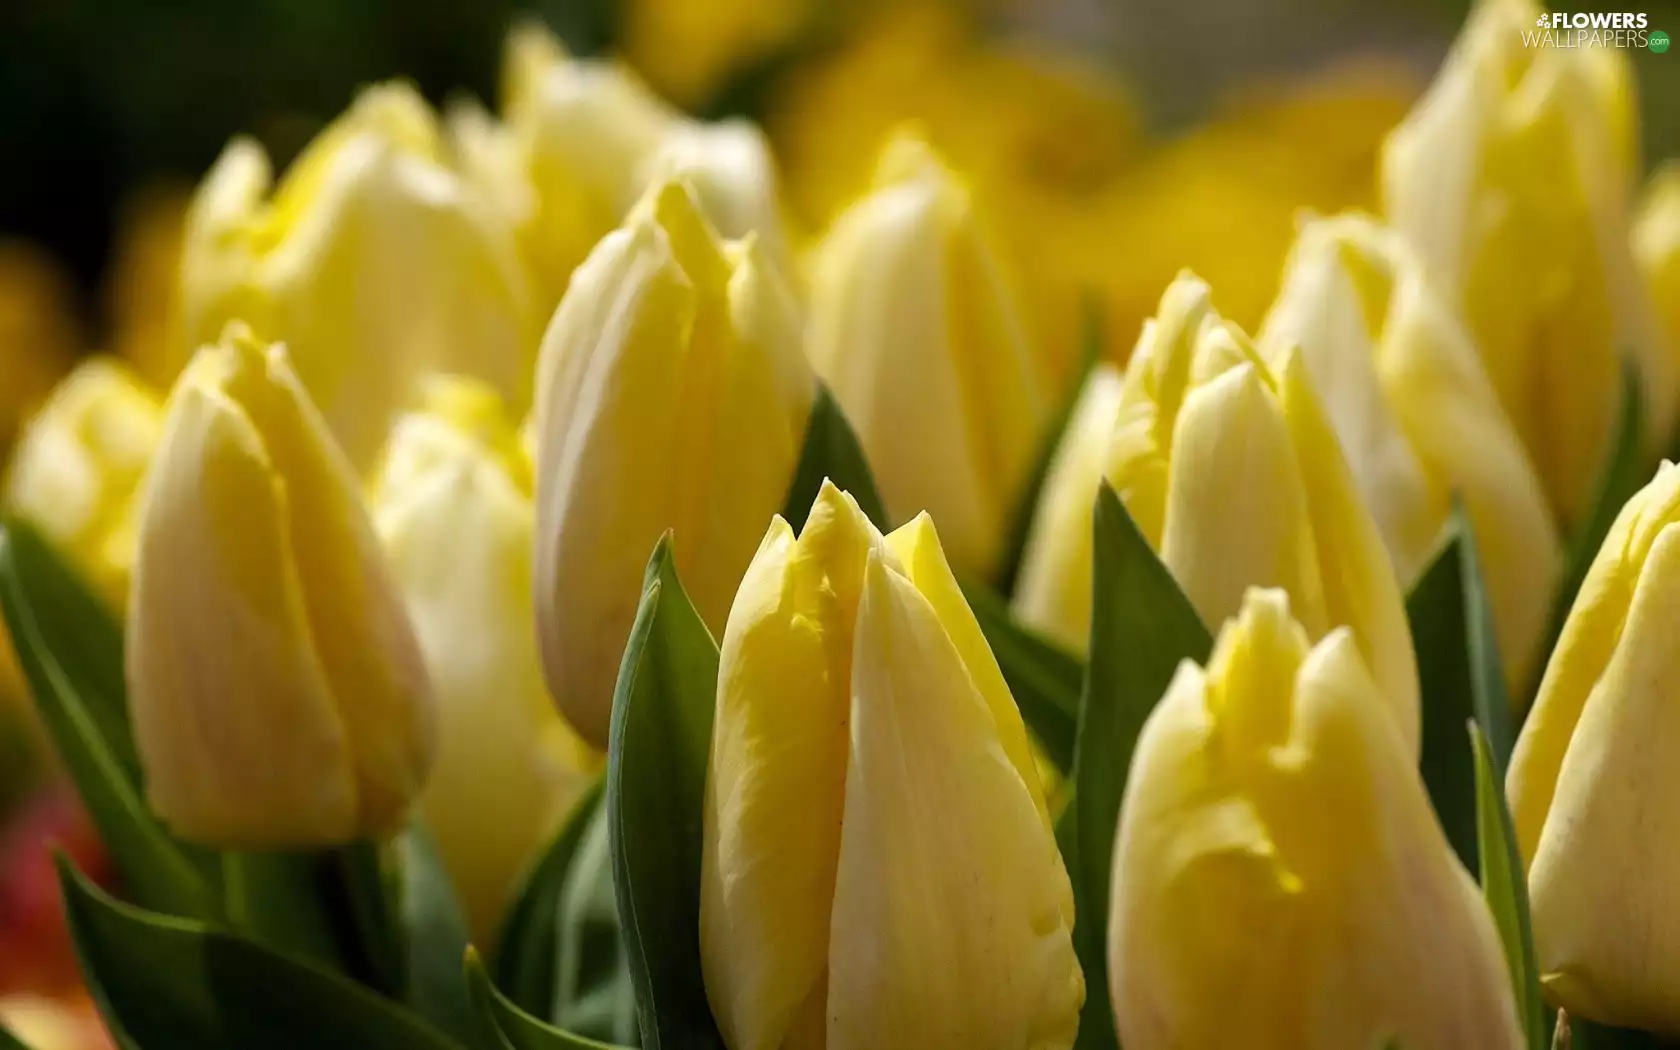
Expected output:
(1232, 471)
(142, 289)
(1280, 880)
(1511, 179)
(690, 50)
(452, 501)
(39, 337)
(1417, 418)
(582, 140)
(673, 393)
(1592, 777)
(375, 261)
(879, 868)
(78, 464)
(1656, 246)
(913, 327)
(278, 693)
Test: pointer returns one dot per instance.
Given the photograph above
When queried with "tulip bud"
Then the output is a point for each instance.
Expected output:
(1656, 245)
(1510, 177)
(78, 464)
(1279, 877)
(585, 139)
(878, 866)
(691, 51)
(1417, 418)
(452, 501)
(914, 329)
(1591, 783)
(277, 691)
(672, 394)
(1233, 474)
(373, 260)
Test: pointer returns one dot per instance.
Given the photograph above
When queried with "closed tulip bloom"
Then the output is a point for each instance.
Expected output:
(673, 394)
(78, 464)
(39, 338)
(583, 141)
(1232, 471)
(879, 868)
(1511, 178)
(1591, 782)
(914, 328)
(1656, 246)
(278, 694)
(373, 259)
(1279, 877)
(1419, 422)
(452, 501)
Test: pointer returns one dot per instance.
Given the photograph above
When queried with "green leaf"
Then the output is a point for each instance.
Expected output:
(1142, 628)
(8, 1041)
(831, 451)
(502, 1025)
(166, 982)
(1044, 678)
(594, 994)
(1590, 1035)
(525, 958)
(1459, 679)
(1625, 472)
(1026, 504)
(1505, 888)
(275, 898)
(656, 783)
(435, 935)
(71, 653)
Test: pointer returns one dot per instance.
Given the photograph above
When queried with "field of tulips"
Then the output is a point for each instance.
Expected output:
(574, 575)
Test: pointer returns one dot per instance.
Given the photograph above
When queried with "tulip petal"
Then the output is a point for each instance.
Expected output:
(948, 927)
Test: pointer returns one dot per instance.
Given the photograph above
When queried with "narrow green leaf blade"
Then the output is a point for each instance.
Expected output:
(71, 654)
(1505, 888)
(434, 934)
(1142, 628)
(656, 781)
(1044, 678)
(1590, 1035)
(166, 982)
(832, 451)
(504, 1026)
(8, 1041)
(1459, 679)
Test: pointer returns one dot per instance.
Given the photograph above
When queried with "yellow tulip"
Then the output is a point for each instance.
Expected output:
(690, 51)
(38, 335)
(1038, 134)
(913, 327)
(452, 501)
(673, 393)
(1590, 783)
(1279, 877)
(1417, 418)
(79, 463)
(1232, 471)
(1656, 246)
(278, 694)
(583, 141)
(375, 261)
(142, 290)
(1511, 179)
(878, 869)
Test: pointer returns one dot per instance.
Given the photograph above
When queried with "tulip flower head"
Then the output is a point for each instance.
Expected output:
(914, 328)
(452, 502)
(1232, 471)
(78, 464)
(1511, 179)
(1591, 781)
(673, 394)
(1417, 418)
(879, 868)
(1656, 246)
(373, 259)
(1279, 877)
(278, 695)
